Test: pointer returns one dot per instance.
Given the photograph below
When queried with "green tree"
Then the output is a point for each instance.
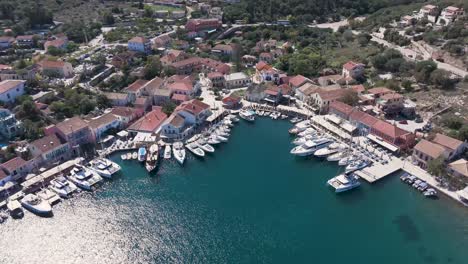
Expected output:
(441, 79)
(436, 166)
(424, 69)
(350, 98)
(152, 68)
(108, 18)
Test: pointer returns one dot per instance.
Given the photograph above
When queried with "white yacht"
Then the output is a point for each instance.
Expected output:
(344, 182)
(347, 160)
(221, 138)
(36, 205)
(49, 196)
(104, 167)
(167, 152)
(247, 115)
(311, 146)
(84, 178)
(179, 152)
(152, 158)
(193, 147)
(233, 118)
(213, 140)
(306, 132)
(325, 152)
(357, 165)
(337, 156)
(63, 187)
(222, 132)
(301, 140)
(299, 127)
(205, 146)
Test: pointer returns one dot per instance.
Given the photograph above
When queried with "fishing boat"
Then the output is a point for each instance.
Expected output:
(179, 152)
(344, 182)
(201, 143)
(134, 155)
(152, 158)
(49, 196)
(193, 147)
(247, 115)
(63, 187)
(357, 165)
(15, 209)
(36, 205)
(104, 167)
(84, 178)
(310, 146)
(142, 154)
(167, 152)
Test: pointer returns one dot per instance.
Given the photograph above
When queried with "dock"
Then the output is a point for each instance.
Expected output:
(378, 171)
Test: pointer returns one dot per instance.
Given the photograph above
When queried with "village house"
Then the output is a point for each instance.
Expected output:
(100, 125)
(232, 102)
(322, 98)
(449, 15)
(6, 42)
(172, 56)
(249, 60)
(430, 12)
(391, 103)
(175, 128)
(74, 130)
(163, 41)
(223, 49)
(57, 42)
(297, 81)
(198, 25)
(9, 125)
(305, 91)
(135, 89)
(426, 151)
(197, 65)
(16, 168)
(353, 70)
(217, 79)
(150, 122)
(139, 44)
(266, 57)
(117, 99)
(264, 72)
(126, 115)
(393, 135)
(49, 149)
(123, 59)
(142, 102)
(236, 80)
(459, 168)
(57, 69)
(454, 147)
(406, 21)
(194, 111)
(10, 90)
(25, 41)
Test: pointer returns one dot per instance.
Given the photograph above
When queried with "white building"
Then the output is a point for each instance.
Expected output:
(449, 15)
(10, 89)
(139, 44)
(237, 80)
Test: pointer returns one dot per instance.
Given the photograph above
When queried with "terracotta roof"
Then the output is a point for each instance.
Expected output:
(341, 107)
(380, 90)
(71, 125)
(358, 88)
(141, 40)
(136, 85)
(13, 164)
(214, 75)
(351, 65)
(391, 96)
(180, 86)
(3, 175)
(364, 118)
(176, 120)
(154, 84)
(5, 67)
(460, 166)
(123, 111)
(332, 94)
(232, 99)
(102, 120)
(141, 101)
(297, 80)
(47, 143)
(150, 122)
(58, 42)
(193, 106)
(388, 129)
(52, 64)
(308, 88)
(7, 85)
(430, 149)
(180, 97)
(446, 141)
(261, 65)
(25, 37)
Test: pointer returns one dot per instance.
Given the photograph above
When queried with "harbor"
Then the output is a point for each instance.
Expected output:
(188, 213)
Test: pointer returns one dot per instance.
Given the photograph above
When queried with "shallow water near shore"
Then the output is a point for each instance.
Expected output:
(249, 202)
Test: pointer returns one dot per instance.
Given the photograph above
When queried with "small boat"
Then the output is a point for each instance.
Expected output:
(261, 113)
(344, 182)
(134, 155)
(331, 149)
(410, 179)
(36, 205)
(301, 140)
(357, 165)
(15, 209)
(247, 115)
(347, 160)
(233, 118)
(152, 158)
(221, 138)
(430, 192)
(49, 196)
(167, 152)
(284, 117)
(84, 178)
(310, 146)
(423, 186)
(299, 127)
(123, 157)
(193, 147)
(142, 154)
(129, 156)
(179, 152)
(337, 156)
(63, 187)
(213, 140)
(222, 133)
(308, 131)
(205, 146)
(104, 167)
(295, 120)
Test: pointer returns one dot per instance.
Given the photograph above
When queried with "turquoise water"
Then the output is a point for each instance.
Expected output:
(250, 202)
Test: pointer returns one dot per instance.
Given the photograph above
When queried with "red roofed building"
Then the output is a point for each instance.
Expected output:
(353, 70)
(74, 130)
(127, 115)
(393, 134)
(216, 78)
(49, 149)
(232, 102)
(323, 98)
(59, 43)
(139, 44)
(16, 168)
(150, 122)
(196, 64)
(340, 109)
(135, 89)
(175, 128)
(202, 24)
(391, 103)
(297, 81)
(194, 111)
(60, 69)
(179, 98)
(10, 90)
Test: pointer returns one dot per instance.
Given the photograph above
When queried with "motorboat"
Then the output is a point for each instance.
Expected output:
(152, 158)
(275, 115)
(221, 138)
(233, 118)
(228, 123)
(123, 157)
(344, 182)
(310, 146)
(284, 117)
(36, 205)
(49, 196)
(134, 155)
(205, 146)
(430, 192)
(15, 209)
(129, 156)
(357, 165)
(63, 187)
(247, 115)
(347, 160)
(193, 147)
(222, 133)
(104, 167)
(179, 152)
(299, 127)
(295, 120)
(167, 152)
(84, 178)
(301, 140)
(213, 140)
(337, 156)
(142, 154)
(306, 132)
(325, 152)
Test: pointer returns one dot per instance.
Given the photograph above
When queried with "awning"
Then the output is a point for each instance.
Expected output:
(348, 127)
(122, 134)
(382, 143)
(144, 137)
(334, 119)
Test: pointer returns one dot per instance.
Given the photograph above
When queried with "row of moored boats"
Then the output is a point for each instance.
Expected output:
(419, 185)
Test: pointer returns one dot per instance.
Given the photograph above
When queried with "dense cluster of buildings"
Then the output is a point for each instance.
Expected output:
(434, 14)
